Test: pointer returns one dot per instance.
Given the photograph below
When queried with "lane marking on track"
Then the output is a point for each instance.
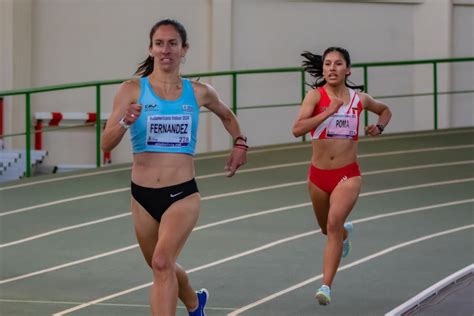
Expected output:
(344, 267)
(256, 151)
(113, 252)
(247, 307)
(29, 208)
(102, 220)
(147, 306)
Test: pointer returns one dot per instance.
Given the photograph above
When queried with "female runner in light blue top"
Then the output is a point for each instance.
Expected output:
(161, 109)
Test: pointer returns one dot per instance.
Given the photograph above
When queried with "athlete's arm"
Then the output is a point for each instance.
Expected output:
(123, 107)
(305, 122)
(207, 97)
(379, 108)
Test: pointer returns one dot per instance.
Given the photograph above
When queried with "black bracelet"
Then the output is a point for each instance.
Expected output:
(380, 127)
(240, 137)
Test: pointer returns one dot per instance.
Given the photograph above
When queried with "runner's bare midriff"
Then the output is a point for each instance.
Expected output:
(333, 153)
(156, 170)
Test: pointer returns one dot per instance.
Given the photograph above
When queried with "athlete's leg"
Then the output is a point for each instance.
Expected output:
(342, 200)
(320, 201)
(146, 230)
(186, 293)
(176, 224)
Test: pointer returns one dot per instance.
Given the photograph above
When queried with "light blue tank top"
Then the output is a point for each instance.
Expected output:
(166, 126)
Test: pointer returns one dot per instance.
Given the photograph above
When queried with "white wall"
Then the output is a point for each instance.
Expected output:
(87, 40)
(432, 39)
(462, 109)
(65, 41)
(15, 62)
(274, 33)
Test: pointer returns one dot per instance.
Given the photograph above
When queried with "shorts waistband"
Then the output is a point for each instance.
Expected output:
(171, 187)
(351, 165)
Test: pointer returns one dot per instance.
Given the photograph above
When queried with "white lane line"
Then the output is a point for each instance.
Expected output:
(60, 230)
(234, 219)
(129, 168)
(105, 219)
(211, 197)
(137, 288)
(254, 250)
(64, 178)
(81, 197)
(212, 264)
(416, 135)
(29, 208)
(412, 151)
(303, 163)
(65, 265)
(418, 186)
(256, 151)
(230, 194)
(105, 304)
(252, 214)
(285, 165)
(432, 165)
(19, 241)
(345, 267)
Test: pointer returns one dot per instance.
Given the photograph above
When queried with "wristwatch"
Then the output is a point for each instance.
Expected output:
(380, 127)
(124, 124)
(240, 137)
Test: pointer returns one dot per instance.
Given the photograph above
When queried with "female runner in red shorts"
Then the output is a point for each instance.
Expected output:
(331, 112)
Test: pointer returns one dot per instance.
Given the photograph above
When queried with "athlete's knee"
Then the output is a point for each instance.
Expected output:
(163, 265)
(334, 227)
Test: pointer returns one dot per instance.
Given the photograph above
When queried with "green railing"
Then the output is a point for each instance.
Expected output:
(234, 74)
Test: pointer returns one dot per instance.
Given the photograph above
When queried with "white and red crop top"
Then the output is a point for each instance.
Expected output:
(344, 124)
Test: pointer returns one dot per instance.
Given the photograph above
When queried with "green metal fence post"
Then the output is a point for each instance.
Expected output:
(435, 94)
(303, 94)
(97, 124)
(234, 74)
(28, 136)
(234, 93)
(366, 88)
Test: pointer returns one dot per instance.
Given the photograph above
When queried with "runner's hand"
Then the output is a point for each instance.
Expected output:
(372, 130)
(335, 104)
(133, 112)
(237, 158)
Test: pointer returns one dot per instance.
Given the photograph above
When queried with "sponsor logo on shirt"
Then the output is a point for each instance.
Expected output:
(187, 108)
(150, 107)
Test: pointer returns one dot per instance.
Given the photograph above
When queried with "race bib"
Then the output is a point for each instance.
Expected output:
(342, 126)
(169, 130)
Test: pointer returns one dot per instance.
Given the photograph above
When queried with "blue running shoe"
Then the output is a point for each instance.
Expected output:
(202, 296)
(346, 246)
(323, 295)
